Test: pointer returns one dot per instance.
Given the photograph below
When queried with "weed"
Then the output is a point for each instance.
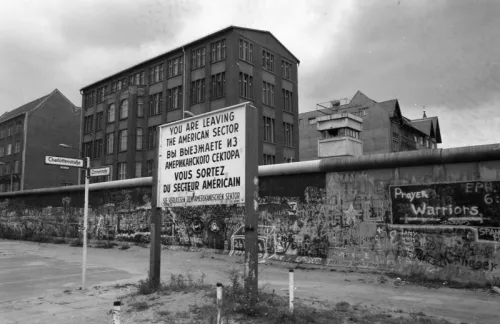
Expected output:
(144, 286)
(58, 240)
(124, 246)
(105, 245)
(76, 243)
(138, 306)
(343, 306)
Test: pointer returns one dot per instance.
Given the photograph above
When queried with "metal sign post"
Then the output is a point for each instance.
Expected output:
(83, 164)
(85, 221)
(210, 159)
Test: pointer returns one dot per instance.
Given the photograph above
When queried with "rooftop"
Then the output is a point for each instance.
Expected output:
(221, 31)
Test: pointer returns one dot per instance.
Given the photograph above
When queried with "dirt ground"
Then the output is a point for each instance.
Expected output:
(63, 302)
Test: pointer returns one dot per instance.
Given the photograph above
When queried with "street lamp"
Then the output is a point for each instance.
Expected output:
(11, 177)
(86, 167)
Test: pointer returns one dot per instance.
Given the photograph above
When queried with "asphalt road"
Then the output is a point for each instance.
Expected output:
(25, 275)
(40, 271)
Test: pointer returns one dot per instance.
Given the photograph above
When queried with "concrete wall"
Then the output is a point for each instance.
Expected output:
(332, 212)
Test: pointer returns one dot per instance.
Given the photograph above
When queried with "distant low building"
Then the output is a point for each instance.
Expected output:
(384, 129)
(33, 131)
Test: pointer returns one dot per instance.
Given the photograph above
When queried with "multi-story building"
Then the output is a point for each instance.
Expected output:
(384, 128)
(33, 131)
(230, 66)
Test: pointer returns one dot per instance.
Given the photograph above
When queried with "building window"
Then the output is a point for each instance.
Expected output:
(101, 93)
(287, 159)
(9, 149)
(155, 103)
(111, 113)
(138, 169)
(124, 109)
(137, 79)
(19, 127)
(17, 167)
(122, 171)
(286, 70)
(246, 85)
(218, 50)
(140, 107)
(218, 85)
(123, 136)
(197, 91)
(9, 131)
(17, 147)
(2, 133)
(156, 73)
(288, 128)
(150, 166)
(175, 66)
(118, 85)
(287, 101)
(97, 148)
(269, 159)
(174, 98)
(268, 61)
(110, 143)
(7, 168)
(198, 58)
(312, 121)
(268, 129)
(110, 175)
(98, 120)
(87, 149)
(87, 124)
(268, 94)
(152, 137)
(245, 51)
(89, 99)
(138, 139)
(2, 151)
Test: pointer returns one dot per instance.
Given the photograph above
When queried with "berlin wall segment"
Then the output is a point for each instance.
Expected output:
(372, 218)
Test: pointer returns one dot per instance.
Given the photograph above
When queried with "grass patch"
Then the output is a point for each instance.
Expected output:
(58, 240)
(138, 306)
(76, 242)
(177, 283)
(105, 245)
(123, 246)
(274, 309)
(432, 277)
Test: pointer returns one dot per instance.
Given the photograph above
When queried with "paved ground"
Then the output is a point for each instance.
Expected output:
(28, 276)
(39, 284)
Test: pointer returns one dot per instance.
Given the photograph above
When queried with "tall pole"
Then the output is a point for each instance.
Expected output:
(155, 225)
(251, 206)
(85, 220)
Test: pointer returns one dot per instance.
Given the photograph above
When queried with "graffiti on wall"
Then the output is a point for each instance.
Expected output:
(356, 219)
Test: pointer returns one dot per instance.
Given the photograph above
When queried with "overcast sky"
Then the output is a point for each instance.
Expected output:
(444, 55)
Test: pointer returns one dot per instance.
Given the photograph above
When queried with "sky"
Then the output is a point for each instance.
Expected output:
(439, 55)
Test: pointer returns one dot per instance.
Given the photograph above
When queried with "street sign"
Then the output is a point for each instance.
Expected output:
(64, 167)
(97, 172)
(57, 160)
